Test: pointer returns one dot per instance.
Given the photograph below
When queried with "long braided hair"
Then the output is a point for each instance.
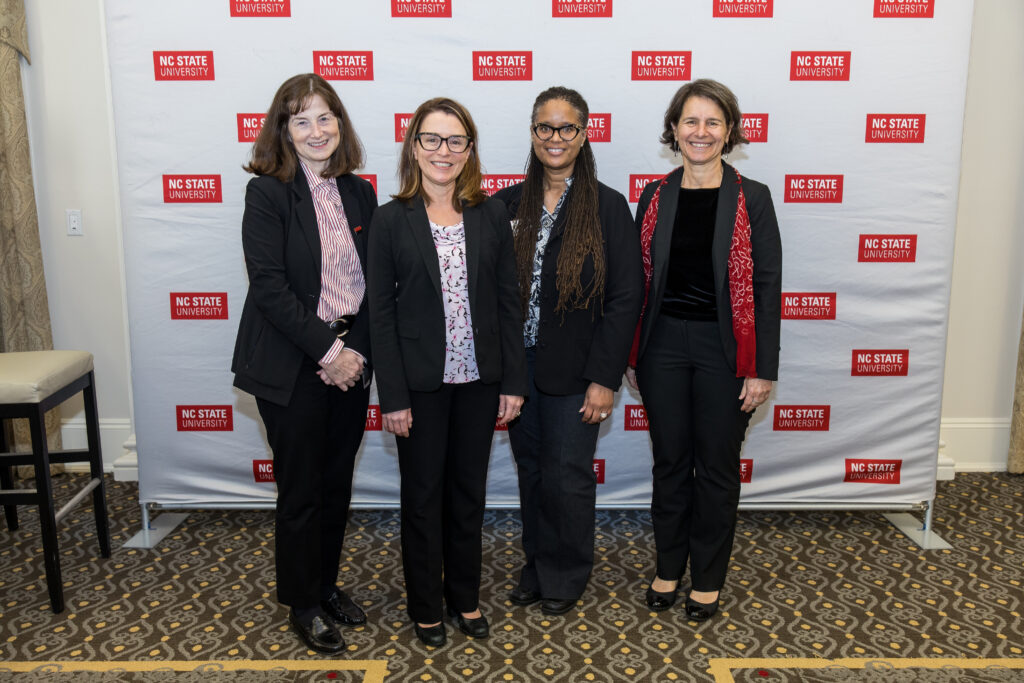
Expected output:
(582, 235)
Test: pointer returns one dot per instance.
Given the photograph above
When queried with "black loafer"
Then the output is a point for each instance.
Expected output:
(659, 601)
(699, 611)
(320, 635)
(557, 605)
(475, 628)
(434, 636)
(522, 597)
(342, 610)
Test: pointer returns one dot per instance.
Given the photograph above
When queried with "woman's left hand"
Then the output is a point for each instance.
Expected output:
(597, 403)
(508, 408)
(755, 392)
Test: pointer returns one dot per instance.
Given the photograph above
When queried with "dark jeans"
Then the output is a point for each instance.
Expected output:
(691, 399)
(554, 453)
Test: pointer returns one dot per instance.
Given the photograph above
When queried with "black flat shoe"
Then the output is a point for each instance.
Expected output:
(475, 628)
(342, 610)
(659, 601)
(699, 611)
(434, 636)
(320, 635)
(522, 597)
(555, 606)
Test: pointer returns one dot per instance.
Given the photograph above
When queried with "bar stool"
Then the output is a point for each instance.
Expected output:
(31, 383)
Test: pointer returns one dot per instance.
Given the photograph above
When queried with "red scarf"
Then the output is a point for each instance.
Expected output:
(741, 281)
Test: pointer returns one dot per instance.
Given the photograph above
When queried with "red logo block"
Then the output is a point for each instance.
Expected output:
(742, 8)
(599, 470)
(814, 189)
(261, 8)
(492, 183)
(249, 126)
(183, 66)
(421, 8)
(338, 65)
(199, 306)
(887, 248)
(746, 470)
(372, 179)
(808, 305)
(373, 421)
(581, 8)
(819, 66)
(599, 128)
(204, 418)
(862, 471)
(637, 183)
(401, 126)
(189, 189)
(503, 66)
(880, 362)
(801, 418)
(662, 66)
(263, 470)
(636, 418)
(894, 128)
(905, 9)
(755, 127)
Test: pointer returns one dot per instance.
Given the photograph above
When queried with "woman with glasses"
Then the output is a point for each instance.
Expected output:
(304, 339)
(447, 331)
(578, 261)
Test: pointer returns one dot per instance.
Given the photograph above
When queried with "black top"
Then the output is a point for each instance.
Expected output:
(690, 282)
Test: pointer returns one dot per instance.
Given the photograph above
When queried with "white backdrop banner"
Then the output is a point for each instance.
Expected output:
(855, 111)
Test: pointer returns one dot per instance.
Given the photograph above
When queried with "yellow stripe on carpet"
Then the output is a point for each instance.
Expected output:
(722, 669)
(374, 670)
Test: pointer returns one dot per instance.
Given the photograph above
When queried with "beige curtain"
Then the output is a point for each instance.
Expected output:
(1015, 461)
(24, 312)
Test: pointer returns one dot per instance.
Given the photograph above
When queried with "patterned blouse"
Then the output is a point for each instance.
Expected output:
(460, 353)
(547, 221)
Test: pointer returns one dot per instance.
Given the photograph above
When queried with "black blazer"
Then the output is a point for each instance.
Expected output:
(407, 323)
(281, 243)
(766, 252)
(591, 344)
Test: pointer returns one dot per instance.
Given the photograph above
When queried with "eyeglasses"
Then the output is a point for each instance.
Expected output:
(568, 132)
(431, 142)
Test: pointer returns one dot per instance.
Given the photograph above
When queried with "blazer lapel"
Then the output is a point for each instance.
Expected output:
(471, 223)
(306, 214)
(725, 222)
(354, 217)
(419, 226)
(661, 245)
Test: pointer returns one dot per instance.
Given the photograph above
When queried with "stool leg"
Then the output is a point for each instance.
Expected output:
(44, 491)
(99, 495)
(7, 482)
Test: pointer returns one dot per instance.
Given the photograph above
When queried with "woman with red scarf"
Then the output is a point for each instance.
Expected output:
(706, 350)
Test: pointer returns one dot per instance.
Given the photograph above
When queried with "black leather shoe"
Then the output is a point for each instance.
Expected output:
(659, 601)
(476, 628)
(342, 610)
(557, 605)
(319, 635)
(434, 636)
(522, 597)
(699, 611)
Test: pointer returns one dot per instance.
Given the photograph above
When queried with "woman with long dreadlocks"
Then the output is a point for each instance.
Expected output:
(580, 279)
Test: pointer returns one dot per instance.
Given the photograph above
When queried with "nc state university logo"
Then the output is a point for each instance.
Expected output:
(913, 9)
(502, 66)
(636, 418)
(801, 418)
(819, 66)
(808, 305)
(199, 306)
(249, 126)
(880, 362)
(755, 127)
(401, 126)
(261, 8)
(337, 65)
(895, 128)
(373, 421)
(746, 470)
(863, 471)
(263, 470)
(204, 418)
(637, 183)
(581, 8)
(421, 8)
(599, 470)
(742, 8)
(662, 66)
(183, 66)
(370, 178)
(806, 189)
(491, 183)
(599, 128)
(888, 248)
(187, 189)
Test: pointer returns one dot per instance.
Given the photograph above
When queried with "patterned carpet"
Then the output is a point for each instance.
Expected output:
(812, 596)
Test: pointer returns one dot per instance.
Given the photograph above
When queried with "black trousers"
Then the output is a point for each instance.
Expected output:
(697, 428)
(314, 439)
(443, 463)
(554, 453)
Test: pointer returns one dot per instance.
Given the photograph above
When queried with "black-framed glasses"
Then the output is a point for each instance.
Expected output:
(568, 132)
(431, 142)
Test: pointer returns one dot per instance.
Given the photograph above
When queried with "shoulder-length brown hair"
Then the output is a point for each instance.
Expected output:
(273, 152)
(467, 185)
(717, 93)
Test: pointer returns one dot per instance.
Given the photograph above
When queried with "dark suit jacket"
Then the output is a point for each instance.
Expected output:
(407, 323)
(281, 243)
(766, 251)
(591, 344)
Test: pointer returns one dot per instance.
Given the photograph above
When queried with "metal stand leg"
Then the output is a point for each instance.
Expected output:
(919, 533)
(153, 533)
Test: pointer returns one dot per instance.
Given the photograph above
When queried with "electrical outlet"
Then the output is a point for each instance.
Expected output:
(74, 221)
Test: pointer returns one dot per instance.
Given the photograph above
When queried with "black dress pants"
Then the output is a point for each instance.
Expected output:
(691, 398)
(443, 463)
(314, 440)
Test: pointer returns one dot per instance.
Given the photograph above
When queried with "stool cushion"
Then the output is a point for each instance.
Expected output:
(31, 376)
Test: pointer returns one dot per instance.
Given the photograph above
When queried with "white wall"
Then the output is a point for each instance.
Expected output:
(68, 98)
